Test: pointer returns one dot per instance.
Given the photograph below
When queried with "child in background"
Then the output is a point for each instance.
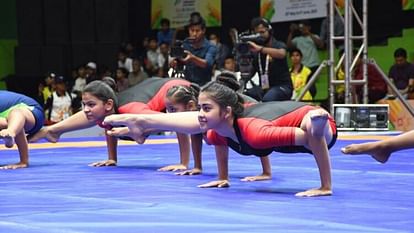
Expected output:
(299, 74)
(59, 105)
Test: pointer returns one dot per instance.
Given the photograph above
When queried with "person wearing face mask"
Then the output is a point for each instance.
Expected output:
(223, 51)
(270, 63)
(199, 53)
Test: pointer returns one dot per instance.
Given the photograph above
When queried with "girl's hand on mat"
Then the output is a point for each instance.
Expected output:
(194, 171)
(216, 183)
(173, 168)
(14, 166)
(315, 193)
(103, 163)
(257, 178)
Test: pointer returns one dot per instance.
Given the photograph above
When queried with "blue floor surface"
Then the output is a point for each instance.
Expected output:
(60, 193)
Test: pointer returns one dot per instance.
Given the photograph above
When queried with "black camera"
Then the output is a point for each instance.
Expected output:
(244, 57)
(242, 46)
(177, 50)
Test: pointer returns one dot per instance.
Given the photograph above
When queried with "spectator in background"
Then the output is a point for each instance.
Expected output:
(138, 74)
(80, 81)
(200, 53)
(129, 49)
(121, 78)
(165, 34)
(77, 89)
(402, 73)
(229, 66)
(299, 74)
(163, 60)
(270, 63)
(59, 105)
(124, 61)
(47, 87)
(340, 88)
(91, 74)
(141, 53)
(338, 30)
(377, 87)
(308, 43)
(222, 53)
(151, 63)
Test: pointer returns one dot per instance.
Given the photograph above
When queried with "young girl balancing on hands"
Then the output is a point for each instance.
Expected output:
(19, 115)
(100, 100)
(182, 98)
(256, 129)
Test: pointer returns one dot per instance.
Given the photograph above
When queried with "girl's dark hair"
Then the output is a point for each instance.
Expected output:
(103, 90)
(224, 96)
(183, 94)
(228, 79)
(296, 50)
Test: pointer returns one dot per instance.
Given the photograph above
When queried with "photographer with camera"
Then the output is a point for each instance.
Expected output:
(300, 36)
(269, 61)
(196, 53)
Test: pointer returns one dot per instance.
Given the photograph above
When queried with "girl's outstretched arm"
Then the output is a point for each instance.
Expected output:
(140, 124)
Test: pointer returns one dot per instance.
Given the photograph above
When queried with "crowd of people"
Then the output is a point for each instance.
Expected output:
(198, 84)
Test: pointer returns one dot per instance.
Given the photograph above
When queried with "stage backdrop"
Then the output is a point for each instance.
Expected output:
(283, 10)
(178, 12)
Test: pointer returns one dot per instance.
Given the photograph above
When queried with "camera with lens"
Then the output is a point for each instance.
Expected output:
(177, 51)
(242, 46)
(244, 56)
(244, 60)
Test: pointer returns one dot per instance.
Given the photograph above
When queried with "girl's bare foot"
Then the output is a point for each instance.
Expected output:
(47, 133)
(375, 149)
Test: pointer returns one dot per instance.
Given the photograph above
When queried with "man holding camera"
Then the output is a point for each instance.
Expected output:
(199, 53)
(271, 63)
(301, 37)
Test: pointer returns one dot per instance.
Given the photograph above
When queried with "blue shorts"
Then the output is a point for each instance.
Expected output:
(39, 116)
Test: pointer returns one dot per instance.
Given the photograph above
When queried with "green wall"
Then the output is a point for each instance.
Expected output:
(6, 59)
(8, 38)
(383, 56)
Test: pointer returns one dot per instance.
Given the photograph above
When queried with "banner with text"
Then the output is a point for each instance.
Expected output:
(178, 12)
(291, 10)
